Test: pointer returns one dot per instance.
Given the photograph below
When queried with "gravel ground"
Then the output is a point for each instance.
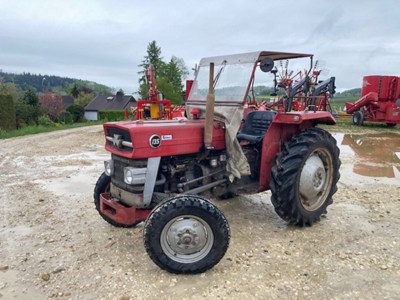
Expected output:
(53, 244)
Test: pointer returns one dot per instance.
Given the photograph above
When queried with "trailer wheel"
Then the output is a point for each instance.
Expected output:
(305, 176)
(186, 234)
(102, 186)
(358, 118)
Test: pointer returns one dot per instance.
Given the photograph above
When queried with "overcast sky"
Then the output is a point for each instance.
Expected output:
(105, 41)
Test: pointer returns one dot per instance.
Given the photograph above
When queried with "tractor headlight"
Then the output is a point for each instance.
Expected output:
(128, 175)
(109, 167)
(134, 175)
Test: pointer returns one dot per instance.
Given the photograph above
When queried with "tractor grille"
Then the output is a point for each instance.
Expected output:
(119, 139)
(118, 175)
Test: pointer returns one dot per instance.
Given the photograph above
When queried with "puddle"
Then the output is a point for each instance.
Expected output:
(78, 167)
(77, 183)
(373, 155)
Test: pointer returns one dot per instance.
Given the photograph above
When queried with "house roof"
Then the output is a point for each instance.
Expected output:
(111, 102)
(67, 101)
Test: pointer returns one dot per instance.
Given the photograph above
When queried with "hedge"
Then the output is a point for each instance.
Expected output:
(7, 113)
(111, 115)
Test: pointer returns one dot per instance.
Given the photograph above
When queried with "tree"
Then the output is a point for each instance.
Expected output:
(10, 89)
(26, 114)
(169, 91)
(7, 112)
(180, 63)
(77, 112)
(74, 91)
(84, 99)
(30, 98)
(153, 57)
(51, 104)
(42, 82)
(169, 75)
(27, 109)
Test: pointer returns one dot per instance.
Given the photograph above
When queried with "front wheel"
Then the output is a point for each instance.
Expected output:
(305, 176)
(358, 118)
(103, 186)
(186, 234)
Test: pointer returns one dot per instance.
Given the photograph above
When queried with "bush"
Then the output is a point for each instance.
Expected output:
(51, 104)
(7, 113)
(44, 120)
(26, 114)
(77, 112)
(2, 132)
(111, 115)
(65, 118)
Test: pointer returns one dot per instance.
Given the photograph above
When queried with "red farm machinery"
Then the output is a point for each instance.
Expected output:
(164, 171)
(378, 102)
(155, 108)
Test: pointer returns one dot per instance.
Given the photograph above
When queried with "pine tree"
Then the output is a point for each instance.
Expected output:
(153, 57)
(169, 75)
(30, 98)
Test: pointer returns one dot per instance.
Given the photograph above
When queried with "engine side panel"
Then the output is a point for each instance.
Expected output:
(160, 138)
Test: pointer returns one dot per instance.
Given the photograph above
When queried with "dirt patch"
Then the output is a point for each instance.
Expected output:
(53, 244)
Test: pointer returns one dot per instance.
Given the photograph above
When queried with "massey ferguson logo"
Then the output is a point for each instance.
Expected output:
(117, 141)
(155, 141)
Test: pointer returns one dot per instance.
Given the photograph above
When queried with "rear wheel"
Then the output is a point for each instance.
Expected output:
(358, 118)
(186, 234)
(305, 176)
(103, 186)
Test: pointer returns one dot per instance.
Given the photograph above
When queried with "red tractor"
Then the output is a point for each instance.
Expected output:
(163, 171)
(378, 102)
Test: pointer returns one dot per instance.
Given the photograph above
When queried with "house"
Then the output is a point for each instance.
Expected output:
(112, 102)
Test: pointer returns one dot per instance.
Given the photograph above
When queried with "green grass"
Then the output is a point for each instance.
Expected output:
(339, 103)
(345, 124)
(39, 129)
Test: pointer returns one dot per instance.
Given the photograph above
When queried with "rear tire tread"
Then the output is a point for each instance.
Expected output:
(287, 170)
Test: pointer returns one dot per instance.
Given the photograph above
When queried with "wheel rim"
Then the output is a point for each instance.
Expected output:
(186, 239)
(316, 179)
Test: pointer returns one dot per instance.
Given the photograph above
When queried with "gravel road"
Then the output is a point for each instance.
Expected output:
(54, 245)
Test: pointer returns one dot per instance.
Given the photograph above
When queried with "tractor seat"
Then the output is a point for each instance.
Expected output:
(255, 126)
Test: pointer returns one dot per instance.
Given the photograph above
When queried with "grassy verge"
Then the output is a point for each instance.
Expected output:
(338, 103)
(345, 124)
(39, 129)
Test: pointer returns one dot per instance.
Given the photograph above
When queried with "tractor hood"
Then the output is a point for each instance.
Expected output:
(144, 139)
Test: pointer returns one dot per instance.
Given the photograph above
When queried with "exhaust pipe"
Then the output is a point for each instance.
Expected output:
(209, 122)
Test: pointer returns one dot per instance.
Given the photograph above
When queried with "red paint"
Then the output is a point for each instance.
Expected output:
(379, 95)
(120, 213)
(387, 87)
(177, 137)
(153, 93)
(189, 84)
